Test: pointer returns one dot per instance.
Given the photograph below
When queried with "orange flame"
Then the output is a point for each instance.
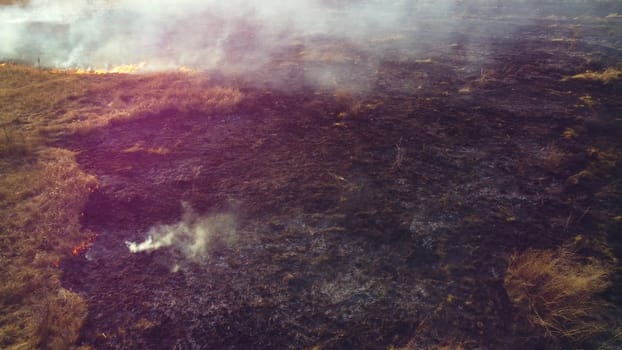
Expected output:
(81, 248)
(121, 69)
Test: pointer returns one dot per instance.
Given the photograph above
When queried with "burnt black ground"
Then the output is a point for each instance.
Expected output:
(390, 224)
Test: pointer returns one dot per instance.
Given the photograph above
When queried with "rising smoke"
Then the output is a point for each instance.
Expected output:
(193, 236)
(248, 36)
(201, 34)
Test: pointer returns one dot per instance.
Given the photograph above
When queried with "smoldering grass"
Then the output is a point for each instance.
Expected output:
(193, 236)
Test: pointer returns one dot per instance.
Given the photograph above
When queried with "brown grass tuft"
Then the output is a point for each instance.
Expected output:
(551, 158)
(557, 290)
(349, 104)
(62, 317)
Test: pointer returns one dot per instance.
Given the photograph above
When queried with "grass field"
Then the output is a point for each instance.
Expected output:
(43, 190)
(458, 192)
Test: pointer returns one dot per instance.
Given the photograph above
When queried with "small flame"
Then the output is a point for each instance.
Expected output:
(184, 69)
(81, 248)
(122, 69)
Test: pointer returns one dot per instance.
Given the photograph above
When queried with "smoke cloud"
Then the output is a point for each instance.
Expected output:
(200, 34)
(328, 39)
(192, 236)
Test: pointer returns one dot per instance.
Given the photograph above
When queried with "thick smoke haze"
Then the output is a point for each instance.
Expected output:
(166, 34)
(250, 36)
(200, 34)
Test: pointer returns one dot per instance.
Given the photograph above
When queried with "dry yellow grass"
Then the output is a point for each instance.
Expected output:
(42, 192)
(60, 320)
(606, 76)
(41, 204)
(557, 290)
(140, 148)
(62, 102)
(16, 143)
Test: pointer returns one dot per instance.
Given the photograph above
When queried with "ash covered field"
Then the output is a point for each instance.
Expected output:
(311, 175)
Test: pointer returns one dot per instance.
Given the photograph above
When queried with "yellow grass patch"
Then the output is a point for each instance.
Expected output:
(61, 102)
(606, 76)
(465, 90)
(41, 205)
(557, 290)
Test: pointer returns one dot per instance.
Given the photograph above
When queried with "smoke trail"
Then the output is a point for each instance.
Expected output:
(192, 236)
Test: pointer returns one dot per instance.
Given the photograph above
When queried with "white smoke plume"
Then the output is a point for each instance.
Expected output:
(257, 39)
(201, 34)
(192, 236)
